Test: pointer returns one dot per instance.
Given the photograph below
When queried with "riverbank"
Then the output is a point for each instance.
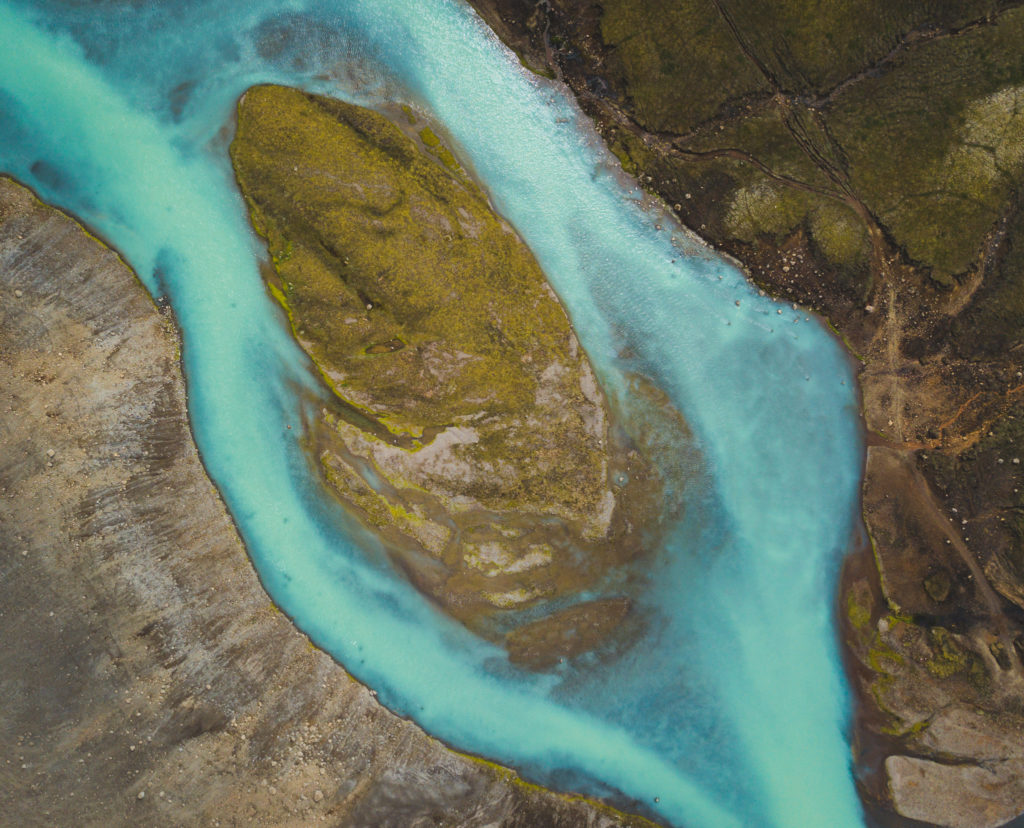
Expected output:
(148, 678)
(872, 177)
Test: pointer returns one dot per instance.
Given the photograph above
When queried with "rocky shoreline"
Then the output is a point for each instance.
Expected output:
(152, 681)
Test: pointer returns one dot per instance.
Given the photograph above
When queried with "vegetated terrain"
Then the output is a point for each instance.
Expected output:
(466, 426)
(865, 160)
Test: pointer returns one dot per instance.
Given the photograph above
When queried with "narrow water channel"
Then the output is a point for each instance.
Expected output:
(732, 710)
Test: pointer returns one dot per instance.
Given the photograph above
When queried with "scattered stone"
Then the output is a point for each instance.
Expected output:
(318, 796)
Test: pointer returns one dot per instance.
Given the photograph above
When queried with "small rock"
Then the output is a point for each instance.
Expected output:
(50, 453)
(318, 796)
(142, 795)
(938, 585)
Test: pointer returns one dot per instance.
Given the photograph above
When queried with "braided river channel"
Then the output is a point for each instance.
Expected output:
(732, 709)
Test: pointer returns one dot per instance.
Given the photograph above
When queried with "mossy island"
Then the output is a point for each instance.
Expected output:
(466, 426)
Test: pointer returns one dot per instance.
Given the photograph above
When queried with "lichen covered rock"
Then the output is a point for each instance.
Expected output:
(468, 428)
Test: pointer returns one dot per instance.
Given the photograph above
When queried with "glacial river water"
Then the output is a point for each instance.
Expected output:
(732, 710)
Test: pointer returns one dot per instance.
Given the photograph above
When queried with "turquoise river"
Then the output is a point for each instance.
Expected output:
(733, 710)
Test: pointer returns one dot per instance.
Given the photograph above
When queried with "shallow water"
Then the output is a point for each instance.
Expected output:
(732, 709)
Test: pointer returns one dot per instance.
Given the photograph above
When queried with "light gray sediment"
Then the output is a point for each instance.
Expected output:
(146, 677)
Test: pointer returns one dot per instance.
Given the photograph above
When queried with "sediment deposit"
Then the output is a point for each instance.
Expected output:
(466, 427)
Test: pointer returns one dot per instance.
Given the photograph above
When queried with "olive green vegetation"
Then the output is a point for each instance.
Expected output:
(374, 246)
(864, 158)
(929, 139)
(994, 323)
(686, 61)
(949, 658)
(935, 144)
(469, 430)
(675, 85)
(417, 303)
(810, 46)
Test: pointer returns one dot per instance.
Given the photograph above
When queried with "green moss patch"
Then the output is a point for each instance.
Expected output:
(469, 430)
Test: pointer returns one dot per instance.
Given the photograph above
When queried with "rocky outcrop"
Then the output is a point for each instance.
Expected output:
(864, 160)
(146, 677)
(467, 427)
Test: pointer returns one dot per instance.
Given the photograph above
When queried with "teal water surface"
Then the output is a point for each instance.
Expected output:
(732, 710)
